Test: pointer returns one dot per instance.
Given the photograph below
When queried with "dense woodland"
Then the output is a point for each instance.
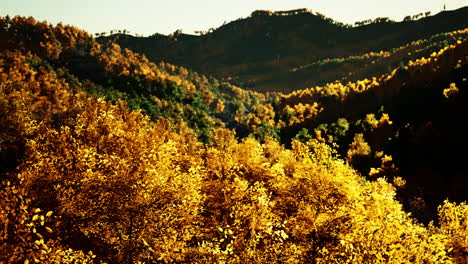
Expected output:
(107, 157)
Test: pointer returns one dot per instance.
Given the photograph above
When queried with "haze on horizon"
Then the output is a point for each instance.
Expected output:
(146, 17)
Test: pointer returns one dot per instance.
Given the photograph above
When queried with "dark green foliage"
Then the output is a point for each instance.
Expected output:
(303, 135)
(264, 131)
(339, 128)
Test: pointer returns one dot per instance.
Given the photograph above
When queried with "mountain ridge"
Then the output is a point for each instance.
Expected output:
(257, 52)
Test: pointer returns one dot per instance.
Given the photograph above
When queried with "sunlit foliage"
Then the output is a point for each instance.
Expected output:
(91, 180)
(451, 91)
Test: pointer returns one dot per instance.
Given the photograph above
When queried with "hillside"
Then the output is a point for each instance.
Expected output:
(106, 157)
(262, 52)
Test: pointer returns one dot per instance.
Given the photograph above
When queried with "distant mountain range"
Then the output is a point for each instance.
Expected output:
(290, 50)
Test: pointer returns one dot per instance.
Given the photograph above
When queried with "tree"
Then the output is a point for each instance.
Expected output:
(359, 152)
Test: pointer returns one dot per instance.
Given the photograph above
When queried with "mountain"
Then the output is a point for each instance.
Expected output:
(107, 157)
(264, 51)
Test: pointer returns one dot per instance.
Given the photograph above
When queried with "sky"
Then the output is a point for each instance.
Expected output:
(146, 17)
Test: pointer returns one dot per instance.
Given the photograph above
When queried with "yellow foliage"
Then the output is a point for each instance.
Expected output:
(453, 220)
(451, 91)
(140, 191)
(358, 147)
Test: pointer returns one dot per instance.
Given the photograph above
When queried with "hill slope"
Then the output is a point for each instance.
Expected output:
(262, 51)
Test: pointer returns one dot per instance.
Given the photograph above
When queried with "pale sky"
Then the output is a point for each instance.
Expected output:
(157, 16)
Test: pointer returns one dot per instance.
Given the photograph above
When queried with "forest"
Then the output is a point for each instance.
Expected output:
(108, 155)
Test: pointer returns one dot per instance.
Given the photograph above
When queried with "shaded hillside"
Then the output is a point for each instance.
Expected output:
(260, 52)
(368, 65)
